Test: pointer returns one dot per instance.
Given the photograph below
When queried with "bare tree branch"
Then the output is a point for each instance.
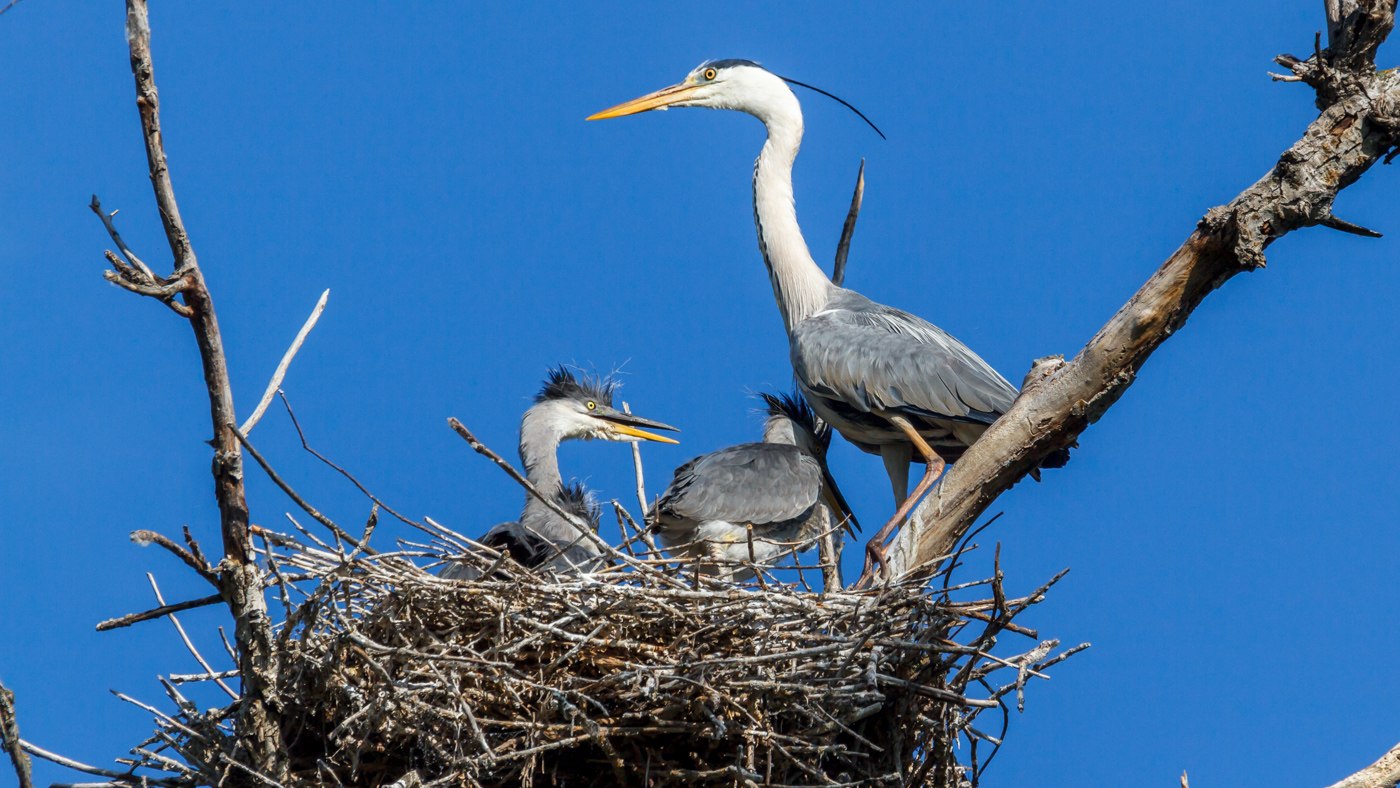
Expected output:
(9, 737)
(189, 644)
(143, 537)
(1384, 773)
(257, 731)
(275, 384)
(1358, 125)
(146, 615)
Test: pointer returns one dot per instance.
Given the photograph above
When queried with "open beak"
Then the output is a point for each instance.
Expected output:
(837, 502)
(661, 99)
(627, 425)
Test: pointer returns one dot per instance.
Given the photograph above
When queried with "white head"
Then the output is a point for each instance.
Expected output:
(736, 84)
(741, 85)
(571, 407)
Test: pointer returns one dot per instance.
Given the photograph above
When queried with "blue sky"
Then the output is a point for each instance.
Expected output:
(1230, 523)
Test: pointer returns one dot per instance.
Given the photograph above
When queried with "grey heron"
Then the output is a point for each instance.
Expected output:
(754, 501)
(890, 382)
(568, 407)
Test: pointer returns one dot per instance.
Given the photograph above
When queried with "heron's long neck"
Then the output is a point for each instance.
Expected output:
(539, 452)
(799, 285)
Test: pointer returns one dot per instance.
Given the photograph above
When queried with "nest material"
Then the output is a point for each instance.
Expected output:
(391, 675)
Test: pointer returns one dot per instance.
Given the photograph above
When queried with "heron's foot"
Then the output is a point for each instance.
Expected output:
(876, 551)
(876, 558)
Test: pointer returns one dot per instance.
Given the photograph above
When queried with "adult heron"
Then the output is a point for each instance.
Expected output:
(890, 382)
(754, 502)
(568, 407)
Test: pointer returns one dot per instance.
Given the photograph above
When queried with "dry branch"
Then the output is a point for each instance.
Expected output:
(240, 580)
(1384, 773)
(9, 737)
(275, 385)
(1358, 125)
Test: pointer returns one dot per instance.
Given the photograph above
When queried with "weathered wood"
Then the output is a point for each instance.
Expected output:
(9, 738)
(1358, 125)
(1384, 773)
(260, 744)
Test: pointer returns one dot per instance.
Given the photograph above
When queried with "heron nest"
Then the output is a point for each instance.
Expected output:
(642, 674)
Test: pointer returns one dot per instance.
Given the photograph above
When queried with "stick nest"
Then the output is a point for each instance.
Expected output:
(631, 676)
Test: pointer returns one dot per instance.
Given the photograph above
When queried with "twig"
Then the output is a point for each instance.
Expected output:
(144, 537)
(96, 206)
(198, 657)
(163, 610)
(843, 247)
(315, 513)
(286, 403)
(275, 385)
(9, 737)
(643, 533)
(482, 449)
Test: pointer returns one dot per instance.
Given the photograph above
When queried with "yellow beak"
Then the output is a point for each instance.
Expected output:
(661, 99)
(624, 429)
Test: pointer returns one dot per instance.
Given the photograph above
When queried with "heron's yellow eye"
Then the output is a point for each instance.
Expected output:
(709, 74)
(592, 405)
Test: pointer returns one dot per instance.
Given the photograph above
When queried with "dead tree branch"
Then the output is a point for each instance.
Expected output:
(275, 385)
(163, 610)
(240, 580)
(1359, 124)
(9, 737)
(1384, 773)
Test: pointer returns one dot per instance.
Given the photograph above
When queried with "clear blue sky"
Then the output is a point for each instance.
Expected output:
(1230, 523)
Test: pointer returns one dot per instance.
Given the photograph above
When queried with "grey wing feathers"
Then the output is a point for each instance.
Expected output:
(752, 482)
(875, 357)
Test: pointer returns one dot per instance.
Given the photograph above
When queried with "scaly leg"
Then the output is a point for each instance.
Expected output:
(897, 457)
(875, 549)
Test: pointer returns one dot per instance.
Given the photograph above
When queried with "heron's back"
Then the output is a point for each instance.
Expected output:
(856, 359)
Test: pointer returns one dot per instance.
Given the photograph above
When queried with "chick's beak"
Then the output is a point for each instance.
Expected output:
(837, 502)
(661, 99)
(625, 425)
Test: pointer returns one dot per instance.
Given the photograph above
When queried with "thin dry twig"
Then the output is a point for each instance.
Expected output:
(184, 636)
(275, 385)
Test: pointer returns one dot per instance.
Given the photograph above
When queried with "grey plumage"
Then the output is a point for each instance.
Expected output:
(568, 407)
(891, 383)
(855, 359)
(775, 486)
(523, 540)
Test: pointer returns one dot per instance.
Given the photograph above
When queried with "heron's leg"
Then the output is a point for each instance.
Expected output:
(875, 549)
(897, 457)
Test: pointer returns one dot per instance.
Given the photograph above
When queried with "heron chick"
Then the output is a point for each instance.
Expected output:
(890, 382)
(755, 502)
(568, 407)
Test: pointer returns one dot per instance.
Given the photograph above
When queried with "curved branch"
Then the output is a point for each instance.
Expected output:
(1358, 126)
(1384, 773)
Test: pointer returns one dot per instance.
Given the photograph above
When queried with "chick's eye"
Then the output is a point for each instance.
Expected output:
(709, 74)
(592, 405)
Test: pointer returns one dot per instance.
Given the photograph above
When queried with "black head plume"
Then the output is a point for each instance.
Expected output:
(562, 383)
(837, 99)
(794, 407)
